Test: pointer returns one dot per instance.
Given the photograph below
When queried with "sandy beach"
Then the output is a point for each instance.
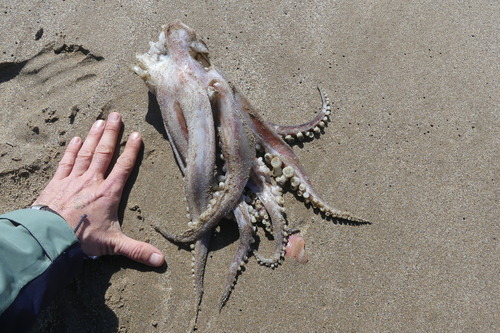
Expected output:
(412, 147)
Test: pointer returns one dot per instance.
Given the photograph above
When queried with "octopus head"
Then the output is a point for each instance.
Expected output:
(181, 38)
(176, 41)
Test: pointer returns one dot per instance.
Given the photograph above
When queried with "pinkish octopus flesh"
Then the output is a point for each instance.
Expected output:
(235, 164)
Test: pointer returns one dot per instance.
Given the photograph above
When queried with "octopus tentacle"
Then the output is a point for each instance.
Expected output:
(305, 130)
(299, 182)
(157, 69)
(275, 146)
(201, 163)
(178, 83)
(271, 197)
(245, 227)
(200, 254)
(238, 156)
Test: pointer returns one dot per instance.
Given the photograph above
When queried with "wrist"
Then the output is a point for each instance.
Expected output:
(75, 229)
(47, 209)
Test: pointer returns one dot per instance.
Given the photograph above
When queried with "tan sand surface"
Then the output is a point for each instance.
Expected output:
(413, 147)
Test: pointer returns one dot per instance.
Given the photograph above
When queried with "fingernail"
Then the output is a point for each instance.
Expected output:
(99, 123)
(156, 259)
(114, 116)
(75, 141)
(135, 135)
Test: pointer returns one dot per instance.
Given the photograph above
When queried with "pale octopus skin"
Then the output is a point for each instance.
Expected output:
(234, 163)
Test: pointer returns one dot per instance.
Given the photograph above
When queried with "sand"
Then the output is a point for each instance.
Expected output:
(413, 147)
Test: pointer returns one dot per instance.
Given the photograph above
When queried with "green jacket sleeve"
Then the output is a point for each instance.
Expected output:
(38, 255)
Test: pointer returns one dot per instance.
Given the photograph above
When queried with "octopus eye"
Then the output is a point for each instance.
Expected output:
(199, 51)
(202, 58)
(198, 46)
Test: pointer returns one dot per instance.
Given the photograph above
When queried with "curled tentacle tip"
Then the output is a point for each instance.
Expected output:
(295, 248)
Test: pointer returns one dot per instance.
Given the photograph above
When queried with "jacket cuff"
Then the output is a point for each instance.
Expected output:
(40, 255)
(50, 230)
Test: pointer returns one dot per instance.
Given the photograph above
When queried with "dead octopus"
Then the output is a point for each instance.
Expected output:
(235, 164)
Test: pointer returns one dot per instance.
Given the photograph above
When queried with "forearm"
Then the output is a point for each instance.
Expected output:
(39, 255)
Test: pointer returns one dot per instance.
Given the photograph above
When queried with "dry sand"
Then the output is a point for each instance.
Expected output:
(413, 147)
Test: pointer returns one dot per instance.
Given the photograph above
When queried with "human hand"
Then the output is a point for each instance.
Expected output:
(80, 186)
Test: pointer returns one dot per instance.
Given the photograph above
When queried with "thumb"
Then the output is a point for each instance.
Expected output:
(139, 251)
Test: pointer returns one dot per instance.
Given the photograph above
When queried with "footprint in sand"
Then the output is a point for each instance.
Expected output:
(55, 70)
(39, 99)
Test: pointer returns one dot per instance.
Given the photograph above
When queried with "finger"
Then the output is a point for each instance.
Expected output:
(139, 251)
(68, 160)
(86, 152)
(106, 147)
(125, 163)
